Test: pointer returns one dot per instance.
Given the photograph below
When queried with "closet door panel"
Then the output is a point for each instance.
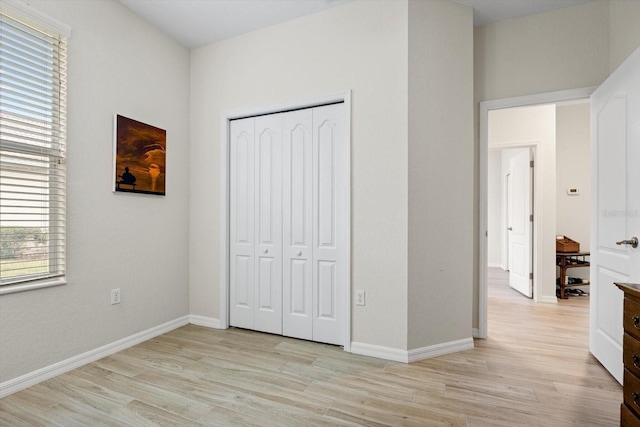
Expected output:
(298, 294)
(325, 193)
(268, 223)
(329, 170)
(288, 195)
(241, 215)
(326, 290)
(297, 224)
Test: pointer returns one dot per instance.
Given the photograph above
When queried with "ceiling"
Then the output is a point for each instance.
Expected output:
(196, 23)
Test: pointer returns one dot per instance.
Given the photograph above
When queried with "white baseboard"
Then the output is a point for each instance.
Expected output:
(208, 322)
(380, 352)
(495, 265)
(409, 356)
(548, 299)
(43, 374)
(440, 349)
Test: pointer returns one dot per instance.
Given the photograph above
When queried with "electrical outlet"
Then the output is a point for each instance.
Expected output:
(360, 298)
(115, 296)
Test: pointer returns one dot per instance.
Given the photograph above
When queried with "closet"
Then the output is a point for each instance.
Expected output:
(288, 178)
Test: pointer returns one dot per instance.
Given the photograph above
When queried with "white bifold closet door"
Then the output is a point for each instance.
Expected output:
(287, 202)
(256, 224)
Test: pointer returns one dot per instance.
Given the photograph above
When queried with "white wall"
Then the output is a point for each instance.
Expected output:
(440, 172)
(573, 171)
(562, 49)
(526, 126)
(624, 27)
(383, 51)
(139, 243)
(360, 46)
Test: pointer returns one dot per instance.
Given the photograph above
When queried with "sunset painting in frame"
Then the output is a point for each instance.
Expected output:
(140, 157)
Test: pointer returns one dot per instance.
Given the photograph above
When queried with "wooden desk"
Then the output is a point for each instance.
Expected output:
(566, 260)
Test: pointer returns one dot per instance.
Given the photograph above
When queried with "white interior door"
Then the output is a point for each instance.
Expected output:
(329, 195)
(520, 224)
(268, 224)
(241, 223)
(506, 247)
(288, 228)
(256, 224)
(615, 145)
(297, 224)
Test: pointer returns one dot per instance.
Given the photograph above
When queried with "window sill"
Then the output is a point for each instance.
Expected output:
(29, 286)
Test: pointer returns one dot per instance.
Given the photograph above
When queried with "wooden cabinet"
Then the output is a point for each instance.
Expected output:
(630, 408)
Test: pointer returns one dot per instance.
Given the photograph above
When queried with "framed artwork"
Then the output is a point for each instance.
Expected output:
(139, 157)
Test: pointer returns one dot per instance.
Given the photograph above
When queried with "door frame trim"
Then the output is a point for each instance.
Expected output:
(485, 107)
(225, 118)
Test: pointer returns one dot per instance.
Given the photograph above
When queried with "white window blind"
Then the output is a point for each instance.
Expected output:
(32, 150)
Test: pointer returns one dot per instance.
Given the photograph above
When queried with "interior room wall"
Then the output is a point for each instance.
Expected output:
(573, 171)
(573, 140)
(361, 46)
(562, 49)
(624, 30)
(523, 126)
(440, 172)
(117, 63)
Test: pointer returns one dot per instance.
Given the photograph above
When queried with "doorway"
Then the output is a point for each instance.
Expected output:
(544, 196)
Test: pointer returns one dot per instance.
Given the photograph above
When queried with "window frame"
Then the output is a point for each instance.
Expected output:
(41, 23)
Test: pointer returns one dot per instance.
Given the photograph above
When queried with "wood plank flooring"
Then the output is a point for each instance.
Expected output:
(534, 370)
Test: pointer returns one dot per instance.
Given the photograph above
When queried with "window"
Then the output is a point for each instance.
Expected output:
(32, 152)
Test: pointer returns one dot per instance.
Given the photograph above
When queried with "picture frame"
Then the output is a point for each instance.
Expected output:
(139, 158)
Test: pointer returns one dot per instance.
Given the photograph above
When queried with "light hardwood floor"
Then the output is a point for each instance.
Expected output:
(534, 370)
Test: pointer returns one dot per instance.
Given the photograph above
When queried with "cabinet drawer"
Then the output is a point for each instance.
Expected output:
(628, 418)
(632, 317)
(631, 354)
(631, 392)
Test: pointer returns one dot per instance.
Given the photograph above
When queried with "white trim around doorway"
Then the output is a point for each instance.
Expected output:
(485, 107)
(225, 118)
